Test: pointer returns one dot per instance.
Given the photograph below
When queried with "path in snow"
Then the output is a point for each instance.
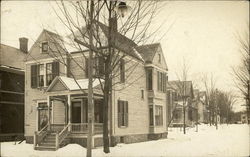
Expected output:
(231, 140)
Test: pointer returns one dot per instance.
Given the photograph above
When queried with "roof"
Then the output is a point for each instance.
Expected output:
(121, 42)
(11, 56)
(11, 69)
(72, 85)
(182, 87)
(148, 51)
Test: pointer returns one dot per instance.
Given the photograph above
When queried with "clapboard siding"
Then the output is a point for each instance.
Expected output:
(58, 112)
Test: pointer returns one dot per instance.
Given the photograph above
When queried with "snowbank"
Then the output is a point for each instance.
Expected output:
(231, 140)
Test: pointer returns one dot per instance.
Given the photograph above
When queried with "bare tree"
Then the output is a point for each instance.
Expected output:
(209, 83)
(94, 25)
(241, 72)
(183, 88)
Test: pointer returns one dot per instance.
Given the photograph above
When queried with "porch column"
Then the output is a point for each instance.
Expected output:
(48, 101)
(69, 110)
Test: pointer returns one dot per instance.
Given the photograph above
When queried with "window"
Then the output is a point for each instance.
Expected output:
(142, 94)
(151, 115)
(52, 70)
(161, 81)
(122, 113)
(158, 115)
(49, 75)
(122, 70)
(45, 47)
(98, 66)
(40, 75)
(149, 77)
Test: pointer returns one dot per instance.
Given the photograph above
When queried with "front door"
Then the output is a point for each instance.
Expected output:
(43, 115)
(76, 112)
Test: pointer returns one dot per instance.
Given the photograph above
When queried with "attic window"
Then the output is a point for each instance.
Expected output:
(159, 58)
(45, 47)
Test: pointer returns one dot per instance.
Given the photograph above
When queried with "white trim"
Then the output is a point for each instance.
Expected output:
(156, 67)
(45, 60)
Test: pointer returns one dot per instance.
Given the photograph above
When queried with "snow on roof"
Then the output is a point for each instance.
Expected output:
(72, 84)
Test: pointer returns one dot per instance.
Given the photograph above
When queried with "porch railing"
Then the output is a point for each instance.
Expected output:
(62, 135)
(39, 135)
(83, 128)
(57, 127)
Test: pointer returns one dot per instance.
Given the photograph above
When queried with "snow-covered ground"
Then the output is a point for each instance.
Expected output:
(228, 140)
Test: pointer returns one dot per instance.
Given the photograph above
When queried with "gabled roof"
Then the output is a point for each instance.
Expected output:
(148, 51)
(182, 87)
(72, 85)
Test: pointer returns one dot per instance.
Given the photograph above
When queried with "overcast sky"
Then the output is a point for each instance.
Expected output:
(202, 32)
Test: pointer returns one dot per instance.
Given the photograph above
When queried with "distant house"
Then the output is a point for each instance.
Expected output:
(184, 97)
(200, 101)
(12, 90)
(244, 118)
(55, 105)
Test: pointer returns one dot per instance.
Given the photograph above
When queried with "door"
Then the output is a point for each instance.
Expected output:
(76, 112)
(43, 115)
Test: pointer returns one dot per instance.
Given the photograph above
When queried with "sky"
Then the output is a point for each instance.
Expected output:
(203, 33)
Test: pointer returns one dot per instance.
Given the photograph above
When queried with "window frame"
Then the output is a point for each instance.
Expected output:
(122, 113)
(44, 43)
(158, 117)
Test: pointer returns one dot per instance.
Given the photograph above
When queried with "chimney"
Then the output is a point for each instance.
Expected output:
(23, 42)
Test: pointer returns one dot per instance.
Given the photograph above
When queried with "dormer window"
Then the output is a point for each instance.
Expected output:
(45, 47)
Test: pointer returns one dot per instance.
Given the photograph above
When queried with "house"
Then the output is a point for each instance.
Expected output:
(244, 118)
(171, 104)
(12, 91)
(184, 104)
(56, 91)
(200, 101)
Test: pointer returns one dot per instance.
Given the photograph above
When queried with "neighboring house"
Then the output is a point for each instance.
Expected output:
(12, 90)
(200, 100)
(171, 104)
(55, 103)
(244, 119)
(184, 100)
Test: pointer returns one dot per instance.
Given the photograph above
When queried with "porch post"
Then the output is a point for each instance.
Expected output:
(48, 101)
(69, 110)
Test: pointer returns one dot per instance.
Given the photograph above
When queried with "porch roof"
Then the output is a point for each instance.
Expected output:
(71, 84)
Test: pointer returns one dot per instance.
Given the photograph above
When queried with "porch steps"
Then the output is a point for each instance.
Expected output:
(49, 143)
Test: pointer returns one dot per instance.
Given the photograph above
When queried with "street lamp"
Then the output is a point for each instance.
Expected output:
(122, 8)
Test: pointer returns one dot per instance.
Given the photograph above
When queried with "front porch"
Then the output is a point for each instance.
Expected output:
(66, 114)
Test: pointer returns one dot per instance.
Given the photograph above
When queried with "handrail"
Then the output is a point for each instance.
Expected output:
(39, 135)
(61, 136)
(45, 127)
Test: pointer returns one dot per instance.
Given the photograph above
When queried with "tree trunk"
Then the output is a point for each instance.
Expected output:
(106, 92)
(184, 119)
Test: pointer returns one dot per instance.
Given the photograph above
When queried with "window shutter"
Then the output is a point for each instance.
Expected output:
(34, 73)
(55, 69)
(86, 67)
(126, 112)
(101, 66)
(119, 114)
